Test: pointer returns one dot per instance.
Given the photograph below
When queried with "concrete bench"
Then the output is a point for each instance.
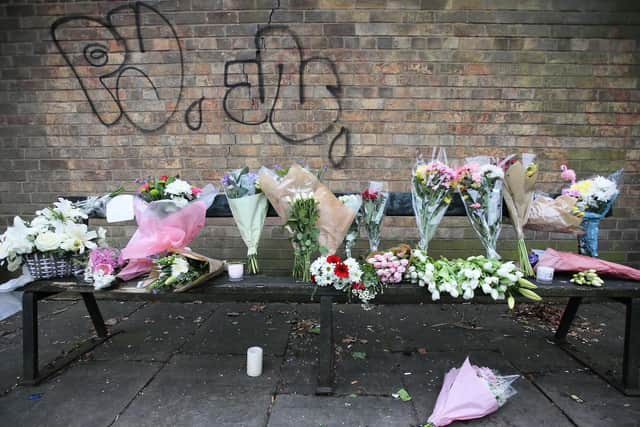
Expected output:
(266, 289)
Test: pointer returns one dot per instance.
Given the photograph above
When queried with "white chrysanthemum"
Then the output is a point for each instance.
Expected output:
(179, 187)
(491, 171)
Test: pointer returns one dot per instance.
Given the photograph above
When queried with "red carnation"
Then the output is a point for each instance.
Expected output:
(369, 195)
(341, 270)
(358, 286)
(333, 259)
(164, 178)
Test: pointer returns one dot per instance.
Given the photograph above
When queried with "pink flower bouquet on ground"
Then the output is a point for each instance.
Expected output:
(470, 392)
(169, 217)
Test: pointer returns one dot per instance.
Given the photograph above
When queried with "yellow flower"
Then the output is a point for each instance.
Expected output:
(421, 172)
(531, 170)
(582, 187)
(447, 200)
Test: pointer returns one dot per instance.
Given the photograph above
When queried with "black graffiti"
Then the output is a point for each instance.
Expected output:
(190, 112)
(303, 66)
(344, 134)
(97, 56)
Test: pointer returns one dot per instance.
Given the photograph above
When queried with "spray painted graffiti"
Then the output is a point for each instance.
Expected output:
(119, 71)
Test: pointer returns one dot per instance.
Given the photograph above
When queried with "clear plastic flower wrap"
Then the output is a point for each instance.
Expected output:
(374, 204)
(431, 191)
(353, 202)
(480, 184)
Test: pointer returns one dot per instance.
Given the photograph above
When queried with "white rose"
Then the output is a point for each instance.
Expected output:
(47, 241)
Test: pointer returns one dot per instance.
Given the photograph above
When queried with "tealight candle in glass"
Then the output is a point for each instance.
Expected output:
(236, 271)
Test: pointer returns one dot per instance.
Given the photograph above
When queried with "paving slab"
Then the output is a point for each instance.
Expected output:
(432, 327)
(204, 390)
(588, 400)
(302, 411)
(46, 309)
(527, 408)
(235, 327)
(154, 332)
(87, 394)
(62, 326)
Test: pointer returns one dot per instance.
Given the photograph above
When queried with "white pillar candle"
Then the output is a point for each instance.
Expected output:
(544, 274)
(235, 270)
(254, 361)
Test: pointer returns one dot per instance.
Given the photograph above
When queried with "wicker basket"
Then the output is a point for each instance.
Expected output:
(47, 266)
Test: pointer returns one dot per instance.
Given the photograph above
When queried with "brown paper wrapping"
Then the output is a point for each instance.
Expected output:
(518, 195)
(554, 215)
(335, 218)
(215, 268)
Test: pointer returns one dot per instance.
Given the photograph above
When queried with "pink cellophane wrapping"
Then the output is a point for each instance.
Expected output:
(570, 262)
(163, 227)
(464, 396)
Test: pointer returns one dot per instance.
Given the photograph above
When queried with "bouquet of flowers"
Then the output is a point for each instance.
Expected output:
(52, 243)
(595, 197)
(465, 277)
(97, 205)
(353, 202)
(334, 218)
(170, 213)
(102, 267)
(249, 208)
(559, 215)
(520, 178)
(431, 192)
(167, 188)
(182, 270)
(470, 392)
(479, 183)
(571, 262)
(344, 275)
(374, 203)
(388, 267)
(302, 223)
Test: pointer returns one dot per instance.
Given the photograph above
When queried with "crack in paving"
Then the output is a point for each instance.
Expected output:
(162, 364)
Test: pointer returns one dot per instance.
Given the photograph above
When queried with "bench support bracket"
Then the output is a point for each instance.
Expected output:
(32, 374)
(630, 384)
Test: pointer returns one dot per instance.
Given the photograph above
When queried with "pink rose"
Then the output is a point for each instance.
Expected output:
(475, 206)
(103, 268)
(196, 190)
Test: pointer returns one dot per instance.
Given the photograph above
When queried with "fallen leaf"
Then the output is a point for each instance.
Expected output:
(402, 394)
(359, 355)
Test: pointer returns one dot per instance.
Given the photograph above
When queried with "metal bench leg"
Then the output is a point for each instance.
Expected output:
(567, 318)
(631, 358)
(96, 317)
(30, 336)
(325, 363)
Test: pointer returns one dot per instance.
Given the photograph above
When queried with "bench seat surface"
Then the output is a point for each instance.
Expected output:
(282, 288)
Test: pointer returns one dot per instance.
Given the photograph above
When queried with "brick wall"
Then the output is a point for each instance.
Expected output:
(559, 78)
